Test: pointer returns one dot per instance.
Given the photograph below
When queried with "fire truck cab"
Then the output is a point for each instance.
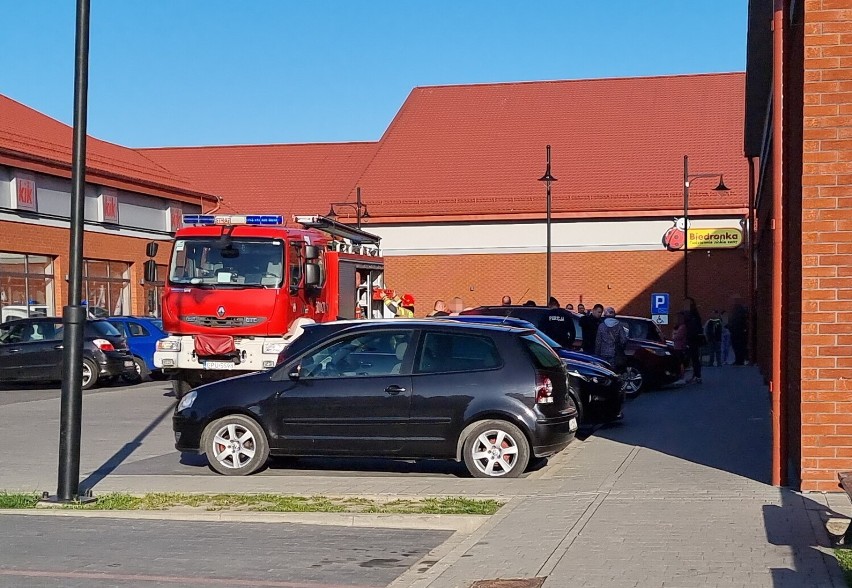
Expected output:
(240, 286)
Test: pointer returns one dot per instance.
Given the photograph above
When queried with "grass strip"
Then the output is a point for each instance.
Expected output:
(844, 558)
(266, 503)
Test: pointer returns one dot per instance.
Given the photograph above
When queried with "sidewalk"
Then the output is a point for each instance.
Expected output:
(677, 494)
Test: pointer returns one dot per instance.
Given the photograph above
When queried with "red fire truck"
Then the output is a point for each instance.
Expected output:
(239, 286)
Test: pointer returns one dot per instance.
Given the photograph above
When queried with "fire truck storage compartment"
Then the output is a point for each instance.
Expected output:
(358, 280)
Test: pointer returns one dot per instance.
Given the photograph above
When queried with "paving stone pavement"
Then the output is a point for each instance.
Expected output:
(676, 494)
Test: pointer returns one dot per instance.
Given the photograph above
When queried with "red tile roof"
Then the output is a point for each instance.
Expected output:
(618, 145)
(282, 179)
(28, 137)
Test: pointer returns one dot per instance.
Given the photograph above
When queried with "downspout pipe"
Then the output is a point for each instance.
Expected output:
(779, 448)
(752, 274)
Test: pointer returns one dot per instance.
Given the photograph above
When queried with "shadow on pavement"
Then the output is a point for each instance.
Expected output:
(723, 423)
(797, 524)
(126, 451)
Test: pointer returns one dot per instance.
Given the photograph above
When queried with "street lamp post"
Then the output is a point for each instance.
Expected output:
(687, 180)
(359, 207)
(548, 179)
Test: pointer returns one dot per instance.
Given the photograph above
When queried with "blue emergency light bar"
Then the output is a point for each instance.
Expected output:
(233, 219)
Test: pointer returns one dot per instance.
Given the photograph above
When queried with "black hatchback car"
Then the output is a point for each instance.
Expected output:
(650, 361)
(31, 351)
(491, 396)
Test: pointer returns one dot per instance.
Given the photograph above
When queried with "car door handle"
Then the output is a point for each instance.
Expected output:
(59, 346)
(393, 390)
(14, 351)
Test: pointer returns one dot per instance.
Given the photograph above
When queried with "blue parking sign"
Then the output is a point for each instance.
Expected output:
(660, 303)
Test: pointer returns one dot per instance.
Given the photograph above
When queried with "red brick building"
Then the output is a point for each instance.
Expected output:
(799, 141)
(452, 187)
(130, 201)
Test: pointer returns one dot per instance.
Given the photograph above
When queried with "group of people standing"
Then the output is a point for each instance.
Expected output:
(724, 336)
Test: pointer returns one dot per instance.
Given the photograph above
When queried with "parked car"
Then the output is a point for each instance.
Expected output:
(142, 334)
(488, 395)
(17, 311)
(31, 351)
(650, 363)
(595, 386)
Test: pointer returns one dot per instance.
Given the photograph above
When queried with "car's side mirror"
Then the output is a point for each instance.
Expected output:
(295, 372)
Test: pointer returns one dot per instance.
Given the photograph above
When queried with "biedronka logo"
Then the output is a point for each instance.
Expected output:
(705, 238)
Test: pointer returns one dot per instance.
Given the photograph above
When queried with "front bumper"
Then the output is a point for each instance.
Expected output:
(248, 357)
(187, 432)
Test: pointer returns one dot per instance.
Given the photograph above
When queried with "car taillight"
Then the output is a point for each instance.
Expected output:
(103, 345)
(543, 389)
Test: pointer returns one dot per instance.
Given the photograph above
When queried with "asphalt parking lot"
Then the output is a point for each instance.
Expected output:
(127, 432)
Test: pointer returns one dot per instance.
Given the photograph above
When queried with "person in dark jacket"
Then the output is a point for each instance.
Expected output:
(694, 336)
(558, 324)
(589, 324)
(738, 326)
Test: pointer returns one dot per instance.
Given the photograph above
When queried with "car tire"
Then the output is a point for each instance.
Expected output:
(235, 445)
(90, 374)
(485, 460)
(180, 388)
(634, 380)
(578, 405)
(139, 375)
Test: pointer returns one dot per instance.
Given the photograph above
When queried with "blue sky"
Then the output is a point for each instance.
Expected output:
(205, 72)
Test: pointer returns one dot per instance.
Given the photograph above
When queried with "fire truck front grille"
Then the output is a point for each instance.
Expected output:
(216, 322)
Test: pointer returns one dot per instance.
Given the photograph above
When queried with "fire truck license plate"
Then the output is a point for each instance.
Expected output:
(219, 365)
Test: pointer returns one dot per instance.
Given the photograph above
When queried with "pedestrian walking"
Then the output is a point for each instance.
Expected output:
(611, 340)
(694, 336)
(738, 325)
(713, 332)
(589, 327)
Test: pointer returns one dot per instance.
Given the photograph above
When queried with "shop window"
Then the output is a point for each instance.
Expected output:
(26, 286)
(106, 287)
(154, 292)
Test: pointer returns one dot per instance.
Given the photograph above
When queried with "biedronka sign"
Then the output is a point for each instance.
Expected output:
(704, 238)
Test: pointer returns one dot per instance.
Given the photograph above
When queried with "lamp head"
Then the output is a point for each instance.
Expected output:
(366, 213)
(331, 214)
(721, 187)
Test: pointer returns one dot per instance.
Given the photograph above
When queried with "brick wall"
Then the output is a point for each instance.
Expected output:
(53, 241)
(622, 279)
(826, 374)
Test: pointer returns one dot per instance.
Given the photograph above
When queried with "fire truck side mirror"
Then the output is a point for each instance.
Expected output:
(312, 252)
(312, 274)
(150, 271)
(151, 249)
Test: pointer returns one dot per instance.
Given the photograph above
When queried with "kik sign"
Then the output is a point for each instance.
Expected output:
(109, 203)
(25, 194)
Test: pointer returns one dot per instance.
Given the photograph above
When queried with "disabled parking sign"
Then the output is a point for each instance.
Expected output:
(660, 308)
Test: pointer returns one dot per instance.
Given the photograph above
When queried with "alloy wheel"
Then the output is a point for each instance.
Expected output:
(495, 453)
(631, 380)
(87, 374)
(234, 446)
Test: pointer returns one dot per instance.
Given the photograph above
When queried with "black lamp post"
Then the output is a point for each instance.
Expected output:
(74, 314)
(687, 179)
(548, 179)
(359, 207)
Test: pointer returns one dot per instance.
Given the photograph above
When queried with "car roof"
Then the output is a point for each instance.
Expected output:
(444, 322)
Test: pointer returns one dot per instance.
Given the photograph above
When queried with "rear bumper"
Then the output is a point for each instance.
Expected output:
(554, 434)
(115, 363)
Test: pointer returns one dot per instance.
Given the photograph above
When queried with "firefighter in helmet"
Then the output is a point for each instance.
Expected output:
(400, 306)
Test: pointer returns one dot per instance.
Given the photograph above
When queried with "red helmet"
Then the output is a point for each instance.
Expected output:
(407, 300)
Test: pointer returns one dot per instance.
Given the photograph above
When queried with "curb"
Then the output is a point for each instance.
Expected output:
(462, 523)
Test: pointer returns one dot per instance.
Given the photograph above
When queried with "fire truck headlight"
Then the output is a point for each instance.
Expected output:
(168, 345)
(275, 348)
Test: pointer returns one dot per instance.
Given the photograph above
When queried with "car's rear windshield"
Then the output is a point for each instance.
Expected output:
(543, 356)
(104, 329)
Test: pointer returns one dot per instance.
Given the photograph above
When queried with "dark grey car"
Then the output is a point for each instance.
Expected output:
(491, 396)
(31, 351)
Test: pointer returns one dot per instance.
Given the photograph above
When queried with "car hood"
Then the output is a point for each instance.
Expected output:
(588, 369)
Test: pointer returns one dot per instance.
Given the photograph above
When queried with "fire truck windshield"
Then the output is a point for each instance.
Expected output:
(231, 263)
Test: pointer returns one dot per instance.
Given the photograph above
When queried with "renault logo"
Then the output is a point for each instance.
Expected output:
(220, 311)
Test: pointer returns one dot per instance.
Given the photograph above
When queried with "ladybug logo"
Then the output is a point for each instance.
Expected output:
(674, 238)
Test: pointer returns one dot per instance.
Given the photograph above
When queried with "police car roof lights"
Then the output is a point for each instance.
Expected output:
(233, 219)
